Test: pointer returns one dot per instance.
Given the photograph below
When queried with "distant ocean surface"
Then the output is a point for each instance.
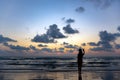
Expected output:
(59, 63)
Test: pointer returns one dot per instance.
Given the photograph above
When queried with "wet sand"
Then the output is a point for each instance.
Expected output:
(60, 75)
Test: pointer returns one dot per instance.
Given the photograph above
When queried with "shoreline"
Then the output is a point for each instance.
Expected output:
(71, 75)
(38, 70)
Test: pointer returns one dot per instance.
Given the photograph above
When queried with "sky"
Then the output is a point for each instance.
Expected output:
(59, 27)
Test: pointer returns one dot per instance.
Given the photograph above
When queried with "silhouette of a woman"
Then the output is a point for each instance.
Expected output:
(80, 59)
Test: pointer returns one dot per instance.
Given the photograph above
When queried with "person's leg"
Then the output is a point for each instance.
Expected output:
(79, 69)
(79, 72)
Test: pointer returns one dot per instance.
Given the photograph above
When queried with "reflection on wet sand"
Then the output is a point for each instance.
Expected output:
(80, 77)
(38, 75)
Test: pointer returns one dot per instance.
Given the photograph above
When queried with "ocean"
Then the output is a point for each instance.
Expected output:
(58, 68)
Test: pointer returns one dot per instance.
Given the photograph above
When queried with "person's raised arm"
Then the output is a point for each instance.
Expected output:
(83, 51)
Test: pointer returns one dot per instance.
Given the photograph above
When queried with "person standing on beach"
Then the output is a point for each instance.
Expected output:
(80, 59)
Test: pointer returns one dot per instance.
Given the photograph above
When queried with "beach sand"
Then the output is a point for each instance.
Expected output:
(60, 75)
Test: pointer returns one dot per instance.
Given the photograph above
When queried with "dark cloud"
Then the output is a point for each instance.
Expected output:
(43, 38)
(93, 44)
(83, 44)
(71, 46)
(54, 32)
(97, 49)
(68, 21)
(117, 34)
(46, 49)
(107, 37)
(65, 43)
(118, 28)
(117, 46)
(61, 49)
(33, 47)
(101, 49)
(70, 30)
(80, 9)
(107, 46)
(16, 47)
(6, 39)
(105, 43)
(41, 45)
(102, 46)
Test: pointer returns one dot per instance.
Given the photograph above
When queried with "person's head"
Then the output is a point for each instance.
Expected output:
(80, 49)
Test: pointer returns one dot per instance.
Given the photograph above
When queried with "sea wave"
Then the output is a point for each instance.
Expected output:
(59, 64)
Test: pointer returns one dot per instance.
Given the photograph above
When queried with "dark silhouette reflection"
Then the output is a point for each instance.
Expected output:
(79, 77)
(79, 61)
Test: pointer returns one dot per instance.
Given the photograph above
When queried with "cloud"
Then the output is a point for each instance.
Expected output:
(33, 47)
(102, 46)
(105, 42)
(80, 9)
(61, 49)
(102, 4)
(46, 49)
(54, 32)
(70, 30)
(83, 44)
(65, 43)
(16, 47)
(101, 49)
(63, 18)
(6, 39)
(118, 28)
(93, 44)
(99, 4)
(43, 38)
(106, 46)
(117, 46)
(68, 21)
(41, 45)
(107, 37)
(71, 46)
